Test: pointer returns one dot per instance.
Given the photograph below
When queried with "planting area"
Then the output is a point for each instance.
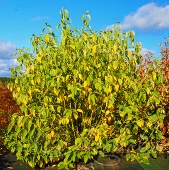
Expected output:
(86, 96)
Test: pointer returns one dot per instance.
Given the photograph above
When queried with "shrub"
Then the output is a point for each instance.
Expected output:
(83, 96)
(164, 91)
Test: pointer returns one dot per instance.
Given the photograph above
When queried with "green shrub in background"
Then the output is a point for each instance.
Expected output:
(4, 80)
(83, 96)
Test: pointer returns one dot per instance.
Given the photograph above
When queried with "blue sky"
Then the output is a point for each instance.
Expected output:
(20, 19)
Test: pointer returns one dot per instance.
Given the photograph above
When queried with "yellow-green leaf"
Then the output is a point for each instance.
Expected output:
(148, 90)
(72, 46)
(115, 65)
(85, 37)
(47, 38)
(39, 59)
(107, 112)
(120, 82)
(130, 53)
(79, 110)
(97, 137)
(75, 116)
(94, 49)
(80, 77)
(32, 67)
(154, 75)
(115, 48)
(32, 82)
(85, 84)
(116, 87)
(52, 133)
(18, 89)
(140, 123)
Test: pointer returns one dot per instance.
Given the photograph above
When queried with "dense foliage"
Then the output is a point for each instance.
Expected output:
(84, 96)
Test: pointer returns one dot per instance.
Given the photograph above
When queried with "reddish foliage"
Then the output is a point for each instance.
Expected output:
(7, 106)
(164, 91)
(165, 69)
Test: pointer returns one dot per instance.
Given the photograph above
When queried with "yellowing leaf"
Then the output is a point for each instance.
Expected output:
(148, 90)
(75, 116)
(94, 49)
(130, 53)
(32, 67)
(72, 46)
(107, 112)
(117, 140)
(55, 91)
(29, 91)
(115, 65)
(109, 119)
(140, 123)
(98, 65)
(65, 121)
(79, 110)
(48, 136)
(89, 90)
(106, 78)
(62, 97)
(27, 70)
(39, 59)
(80, 77)
(84, 93)
(52, 133)
(97, 137)
(18, 89)
(110, 89)
(31, 163)
(37, 90)
(47, 38)
(154, 76)
(115, 79)
(85, 37)
(111, 79)
(116, 87)
(24, 101)
(115, 48)
(38, 80)
(149, 124)
(110, 106)
(32, 82)
(120, 82)
(85, 84)
(93, 38)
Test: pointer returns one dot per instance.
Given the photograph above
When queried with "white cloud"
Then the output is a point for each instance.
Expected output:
(148, 17)
(7, 60)
(5, 66)
(40, 18)
(7, 50)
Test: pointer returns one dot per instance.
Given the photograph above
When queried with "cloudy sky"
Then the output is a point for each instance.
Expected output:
(20, 19)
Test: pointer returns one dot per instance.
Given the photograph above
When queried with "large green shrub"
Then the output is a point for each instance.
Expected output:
(83, 96)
